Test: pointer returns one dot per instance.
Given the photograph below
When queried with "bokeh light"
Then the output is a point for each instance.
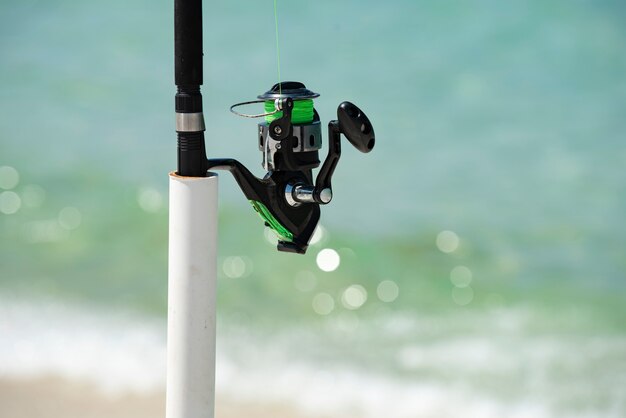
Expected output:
(353, 297)
(462, 295)
(387, 291)
(319, 236)
(235, 267)
(10, 202)
(323, 304)
(69, 218)
(328, 260)
(447, 241)
(150, 199)
(9, 177)
(461, 276)
(270, 236)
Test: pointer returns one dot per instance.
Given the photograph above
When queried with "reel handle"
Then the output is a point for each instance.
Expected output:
(357, 128)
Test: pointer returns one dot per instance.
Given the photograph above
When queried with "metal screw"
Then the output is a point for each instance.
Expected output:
(277, 130)
(277, 146)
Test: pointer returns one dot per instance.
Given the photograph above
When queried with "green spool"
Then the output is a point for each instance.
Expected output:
(302, 111)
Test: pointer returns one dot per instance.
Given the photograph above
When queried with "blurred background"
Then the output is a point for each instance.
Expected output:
(473, 264)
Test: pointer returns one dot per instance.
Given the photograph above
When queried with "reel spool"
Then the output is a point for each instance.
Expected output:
(284, 150)
(301, 146)
(290, 138)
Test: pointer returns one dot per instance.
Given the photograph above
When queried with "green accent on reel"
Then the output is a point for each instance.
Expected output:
(302, 111)
(282, 232)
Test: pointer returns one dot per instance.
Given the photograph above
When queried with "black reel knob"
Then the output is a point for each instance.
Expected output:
(356, 127)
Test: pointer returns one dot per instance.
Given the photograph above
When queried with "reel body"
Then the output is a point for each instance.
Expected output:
(288, 198)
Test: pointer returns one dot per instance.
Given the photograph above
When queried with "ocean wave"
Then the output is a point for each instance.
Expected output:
(400, 366)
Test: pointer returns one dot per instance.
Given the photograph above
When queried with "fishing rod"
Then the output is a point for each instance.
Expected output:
(192, 249)
(287, 198)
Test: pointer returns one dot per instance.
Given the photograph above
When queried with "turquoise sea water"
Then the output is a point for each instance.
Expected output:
(481, 244)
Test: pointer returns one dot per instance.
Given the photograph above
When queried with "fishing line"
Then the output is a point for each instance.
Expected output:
(302, 111)
(280, 90)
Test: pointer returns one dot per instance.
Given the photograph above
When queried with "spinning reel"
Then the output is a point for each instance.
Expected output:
(287, 198)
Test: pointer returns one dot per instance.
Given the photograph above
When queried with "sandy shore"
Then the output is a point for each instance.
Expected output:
(56, 398)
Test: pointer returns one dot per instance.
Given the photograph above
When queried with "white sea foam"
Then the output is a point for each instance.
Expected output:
(406, 368)
(115, 350)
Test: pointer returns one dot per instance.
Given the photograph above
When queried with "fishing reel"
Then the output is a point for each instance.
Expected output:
(287, 198)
